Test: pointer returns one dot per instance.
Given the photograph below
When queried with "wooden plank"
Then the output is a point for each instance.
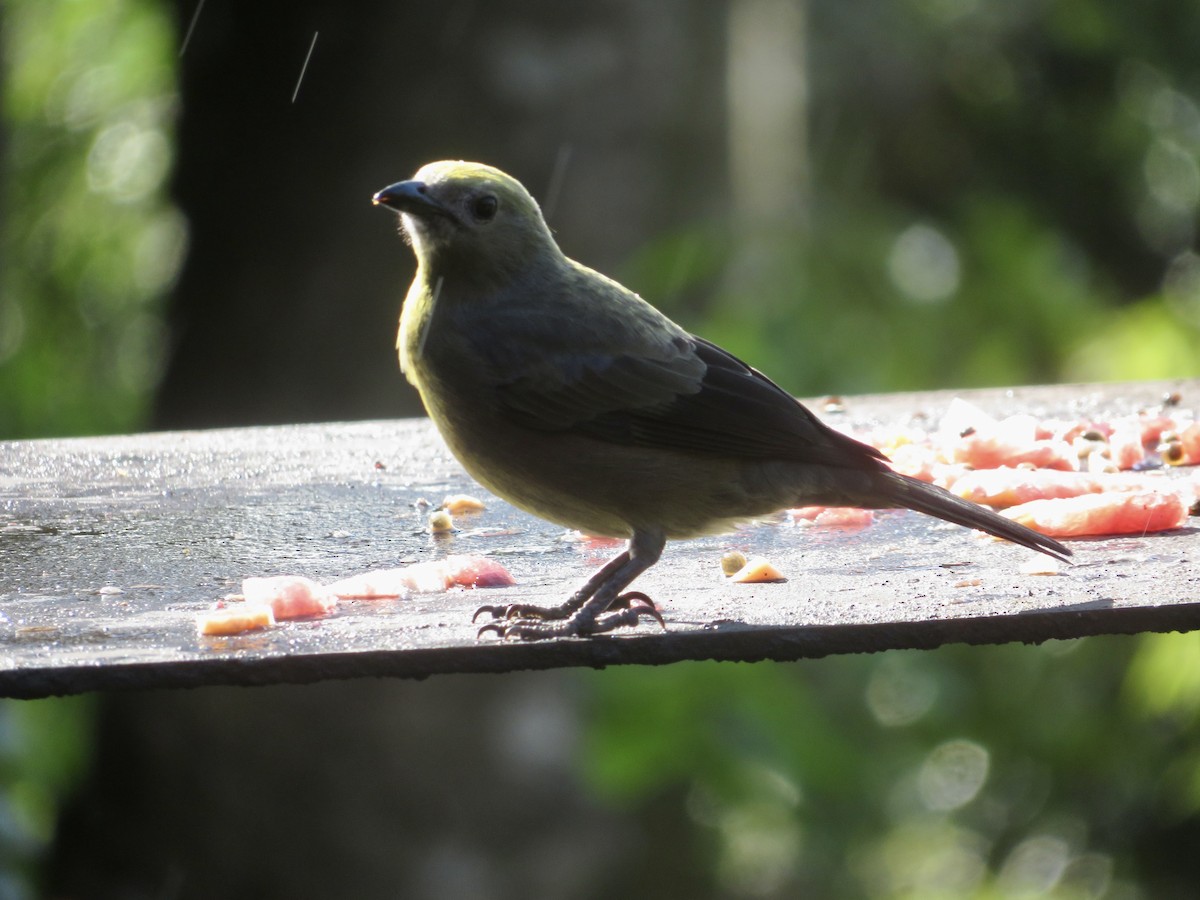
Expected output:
(174, 520)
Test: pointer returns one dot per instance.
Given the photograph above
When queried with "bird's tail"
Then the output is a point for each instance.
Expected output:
(935, 501)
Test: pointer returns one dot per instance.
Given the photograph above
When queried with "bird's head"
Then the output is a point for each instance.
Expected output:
(469, 217)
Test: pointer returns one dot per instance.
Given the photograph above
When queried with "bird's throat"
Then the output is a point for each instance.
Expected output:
(415, 321)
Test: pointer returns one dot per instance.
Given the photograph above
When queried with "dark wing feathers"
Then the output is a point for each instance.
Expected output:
(567, 397)
(694, 398)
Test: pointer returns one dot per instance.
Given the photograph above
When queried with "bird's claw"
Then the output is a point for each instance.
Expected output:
(633, 605)
(523, 611)
(499, 626)
(627, 609)
(496, 612)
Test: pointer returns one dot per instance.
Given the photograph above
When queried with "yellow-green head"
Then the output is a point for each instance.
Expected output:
(471, 219)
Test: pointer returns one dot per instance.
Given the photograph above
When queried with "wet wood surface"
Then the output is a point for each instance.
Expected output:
(111, 546)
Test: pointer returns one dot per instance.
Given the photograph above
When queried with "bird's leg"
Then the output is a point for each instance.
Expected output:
(576, 600)
(599, 606)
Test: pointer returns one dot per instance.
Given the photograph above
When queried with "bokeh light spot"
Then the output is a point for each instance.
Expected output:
(924, 265)
(953, 774)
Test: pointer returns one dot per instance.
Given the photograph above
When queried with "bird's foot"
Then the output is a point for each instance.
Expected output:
(510, 611)
(531, 611)
(627, 609)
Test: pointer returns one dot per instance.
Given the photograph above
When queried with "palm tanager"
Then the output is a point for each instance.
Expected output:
(571, 397)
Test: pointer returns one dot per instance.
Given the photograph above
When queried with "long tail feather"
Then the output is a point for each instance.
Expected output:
(935, 501)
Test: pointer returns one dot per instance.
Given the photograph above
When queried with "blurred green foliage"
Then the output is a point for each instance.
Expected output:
(44, 751)
(1067, 770)
(996, 193)
(90, 245)
(90, 239)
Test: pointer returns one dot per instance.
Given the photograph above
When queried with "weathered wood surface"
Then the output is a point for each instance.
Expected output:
(175, 520)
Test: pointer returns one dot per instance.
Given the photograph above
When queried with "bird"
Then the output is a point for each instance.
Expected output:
(568, 395)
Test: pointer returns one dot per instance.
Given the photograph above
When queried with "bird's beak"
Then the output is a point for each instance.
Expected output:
(410, 197)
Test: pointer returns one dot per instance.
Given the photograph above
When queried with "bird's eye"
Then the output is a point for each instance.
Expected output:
(484, 208)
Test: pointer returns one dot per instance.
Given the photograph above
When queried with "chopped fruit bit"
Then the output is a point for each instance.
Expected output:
(1005, 487)
(1085, 446)
(383, 584)
(1171, 451)
(476, 571)
(440, 522)
(591, 541)
(264, 601)
(378, 584)
(963, 416)
(891, 440)
(915, 460)
(988, 452)
(970, 436)
(289, 596)
(1189, 445)
(1126, 448)
(1153, 427)
(235, 619)
(1099, 461)
(832, 516)
(462, 503)
(1009, 487)
(845, 517)
(1094, 431)
(1112, 512)
(733, 562)
(757, 570)
(424, 578)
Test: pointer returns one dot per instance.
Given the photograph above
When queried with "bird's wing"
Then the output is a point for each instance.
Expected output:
(685, 394)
